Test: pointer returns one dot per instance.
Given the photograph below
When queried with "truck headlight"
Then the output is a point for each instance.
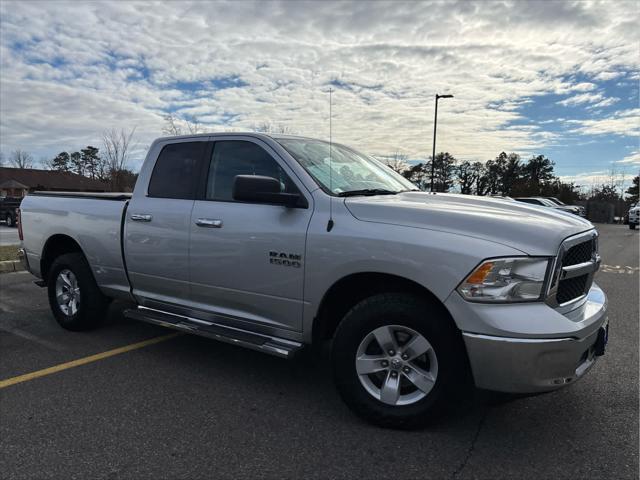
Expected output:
(505, 280)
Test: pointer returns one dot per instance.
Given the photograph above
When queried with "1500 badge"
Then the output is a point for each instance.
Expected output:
(285, 259)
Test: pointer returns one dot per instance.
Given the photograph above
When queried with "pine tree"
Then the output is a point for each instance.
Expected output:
(539, 172)
(76, 164)
(632, 191)
(61, 162)
(91, 161)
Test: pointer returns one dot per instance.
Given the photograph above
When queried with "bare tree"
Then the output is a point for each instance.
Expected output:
(397, 162)
(268, 127)
(21, 159)
(194, 127)
(117, 147)
(46, 163)
(615, 180)
(173, 126)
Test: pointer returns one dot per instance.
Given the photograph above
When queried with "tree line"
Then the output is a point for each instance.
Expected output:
(109, 166)
(506, 175)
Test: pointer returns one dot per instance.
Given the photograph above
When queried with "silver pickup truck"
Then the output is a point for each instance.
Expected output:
(277, 242)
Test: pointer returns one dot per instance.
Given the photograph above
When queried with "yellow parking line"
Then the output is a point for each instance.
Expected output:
(83, 361)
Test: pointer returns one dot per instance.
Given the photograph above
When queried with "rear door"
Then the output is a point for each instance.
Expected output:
(156, 240)
(247, 259)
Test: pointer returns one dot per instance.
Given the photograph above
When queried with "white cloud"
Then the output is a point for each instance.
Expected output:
(607, 75)
(623, 123)
(71, 70)
(586, 179)
(605, 102)
(580, 99)
(632, 159)
(620, 178)
(598, 100)
(583, 87)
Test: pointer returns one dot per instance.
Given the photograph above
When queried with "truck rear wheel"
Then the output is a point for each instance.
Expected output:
(75, 299)
(397, 360)
(632, 226)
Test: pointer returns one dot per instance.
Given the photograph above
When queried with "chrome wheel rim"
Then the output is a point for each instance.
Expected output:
(67, 292)
(396, 365)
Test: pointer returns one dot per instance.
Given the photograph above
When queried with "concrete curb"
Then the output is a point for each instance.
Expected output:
(10, 266)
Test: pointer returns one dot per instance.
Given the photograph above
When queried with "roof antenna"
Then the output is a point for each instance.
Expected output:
(330, 222)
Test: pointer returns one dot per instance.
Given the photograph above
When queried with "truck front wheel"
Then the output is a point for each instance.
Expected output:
(397, 360)
(632, 226)
(75, 299)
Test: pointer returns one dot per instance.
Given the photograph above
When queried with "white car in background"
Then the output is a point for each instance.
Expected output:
(543, 202)
(634, 216)
(579, 208)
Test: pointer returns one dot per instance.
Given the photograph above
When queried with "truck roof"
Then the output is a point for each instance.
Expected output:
(234, 134)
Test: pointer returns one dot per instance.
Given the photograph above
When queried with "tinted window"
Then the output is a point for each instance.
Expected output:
(528, 200)
(231, 158)
(176, 171)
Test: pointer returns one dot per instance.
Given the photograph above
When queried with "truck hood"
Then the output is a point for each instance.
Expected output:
(531, 229)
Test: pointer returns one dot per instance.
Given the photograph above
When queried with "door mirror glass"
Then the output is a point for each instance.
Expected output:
(261, 189)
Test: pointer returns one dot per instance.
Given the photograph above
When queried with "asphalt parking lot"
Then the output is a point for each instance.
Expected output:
(189, 407)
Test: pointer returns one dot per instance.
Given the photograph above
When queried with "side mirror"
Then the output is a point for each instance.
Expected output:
(260, 189)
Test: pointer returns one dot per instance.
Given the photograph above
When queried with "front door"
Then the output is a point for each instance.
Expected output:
(247, 259)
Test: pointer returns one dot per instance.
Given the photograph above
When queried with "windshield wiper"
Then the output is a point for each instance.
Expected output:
(367, 191)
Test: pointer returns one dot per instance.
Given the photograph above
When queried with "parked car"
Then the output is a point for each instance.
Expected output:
(633, 216)
(543, 202)
(276, 242)
(8, 210)
(625, 218)
(501, 197)
(578, 208)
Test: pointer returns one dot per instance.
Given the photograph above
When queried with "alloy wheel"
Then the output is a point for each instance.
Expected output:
(67, 292)
(396, 365)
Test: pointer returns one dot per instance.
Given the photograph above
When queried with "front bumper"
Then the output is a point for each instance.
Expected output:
(529, 365)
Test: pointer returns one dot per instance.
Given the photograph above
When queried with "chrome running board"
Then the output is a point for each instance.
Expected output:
(279, 347)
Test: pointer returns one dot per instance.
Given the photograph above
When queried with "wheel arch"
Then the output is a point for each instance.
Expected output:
(353, 288)
(56, 245)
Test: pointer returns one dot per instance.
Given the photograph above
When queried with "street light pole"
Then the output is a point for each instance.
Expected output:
(435, 124)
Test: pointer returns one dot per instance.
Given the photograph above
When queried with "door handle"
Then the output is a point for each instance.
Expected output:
(141, 217)
(209, 223)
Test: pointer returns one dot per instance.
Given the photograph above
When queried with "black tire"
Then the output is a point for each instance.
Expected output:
(10, 221)
(93, 305)
(430, 321)
(632, 226)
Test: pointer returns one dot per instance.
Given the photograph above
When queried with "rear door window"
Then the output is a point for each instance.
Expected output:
(176, 171)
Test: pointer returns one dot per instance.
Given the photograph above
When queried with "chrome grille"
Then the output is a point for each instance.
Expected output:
(571, 288)
(579, 253)
(576, 264)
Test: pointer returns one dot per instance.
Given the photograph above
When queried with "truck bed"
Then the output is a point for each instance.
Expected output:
(92, 220)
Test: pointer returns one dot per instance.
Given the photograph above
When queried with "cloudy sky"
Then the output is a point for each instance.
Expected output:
(543, 77)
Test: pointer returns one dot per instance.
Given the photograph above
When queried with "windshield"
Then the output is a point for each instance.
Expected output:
(348, 170)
